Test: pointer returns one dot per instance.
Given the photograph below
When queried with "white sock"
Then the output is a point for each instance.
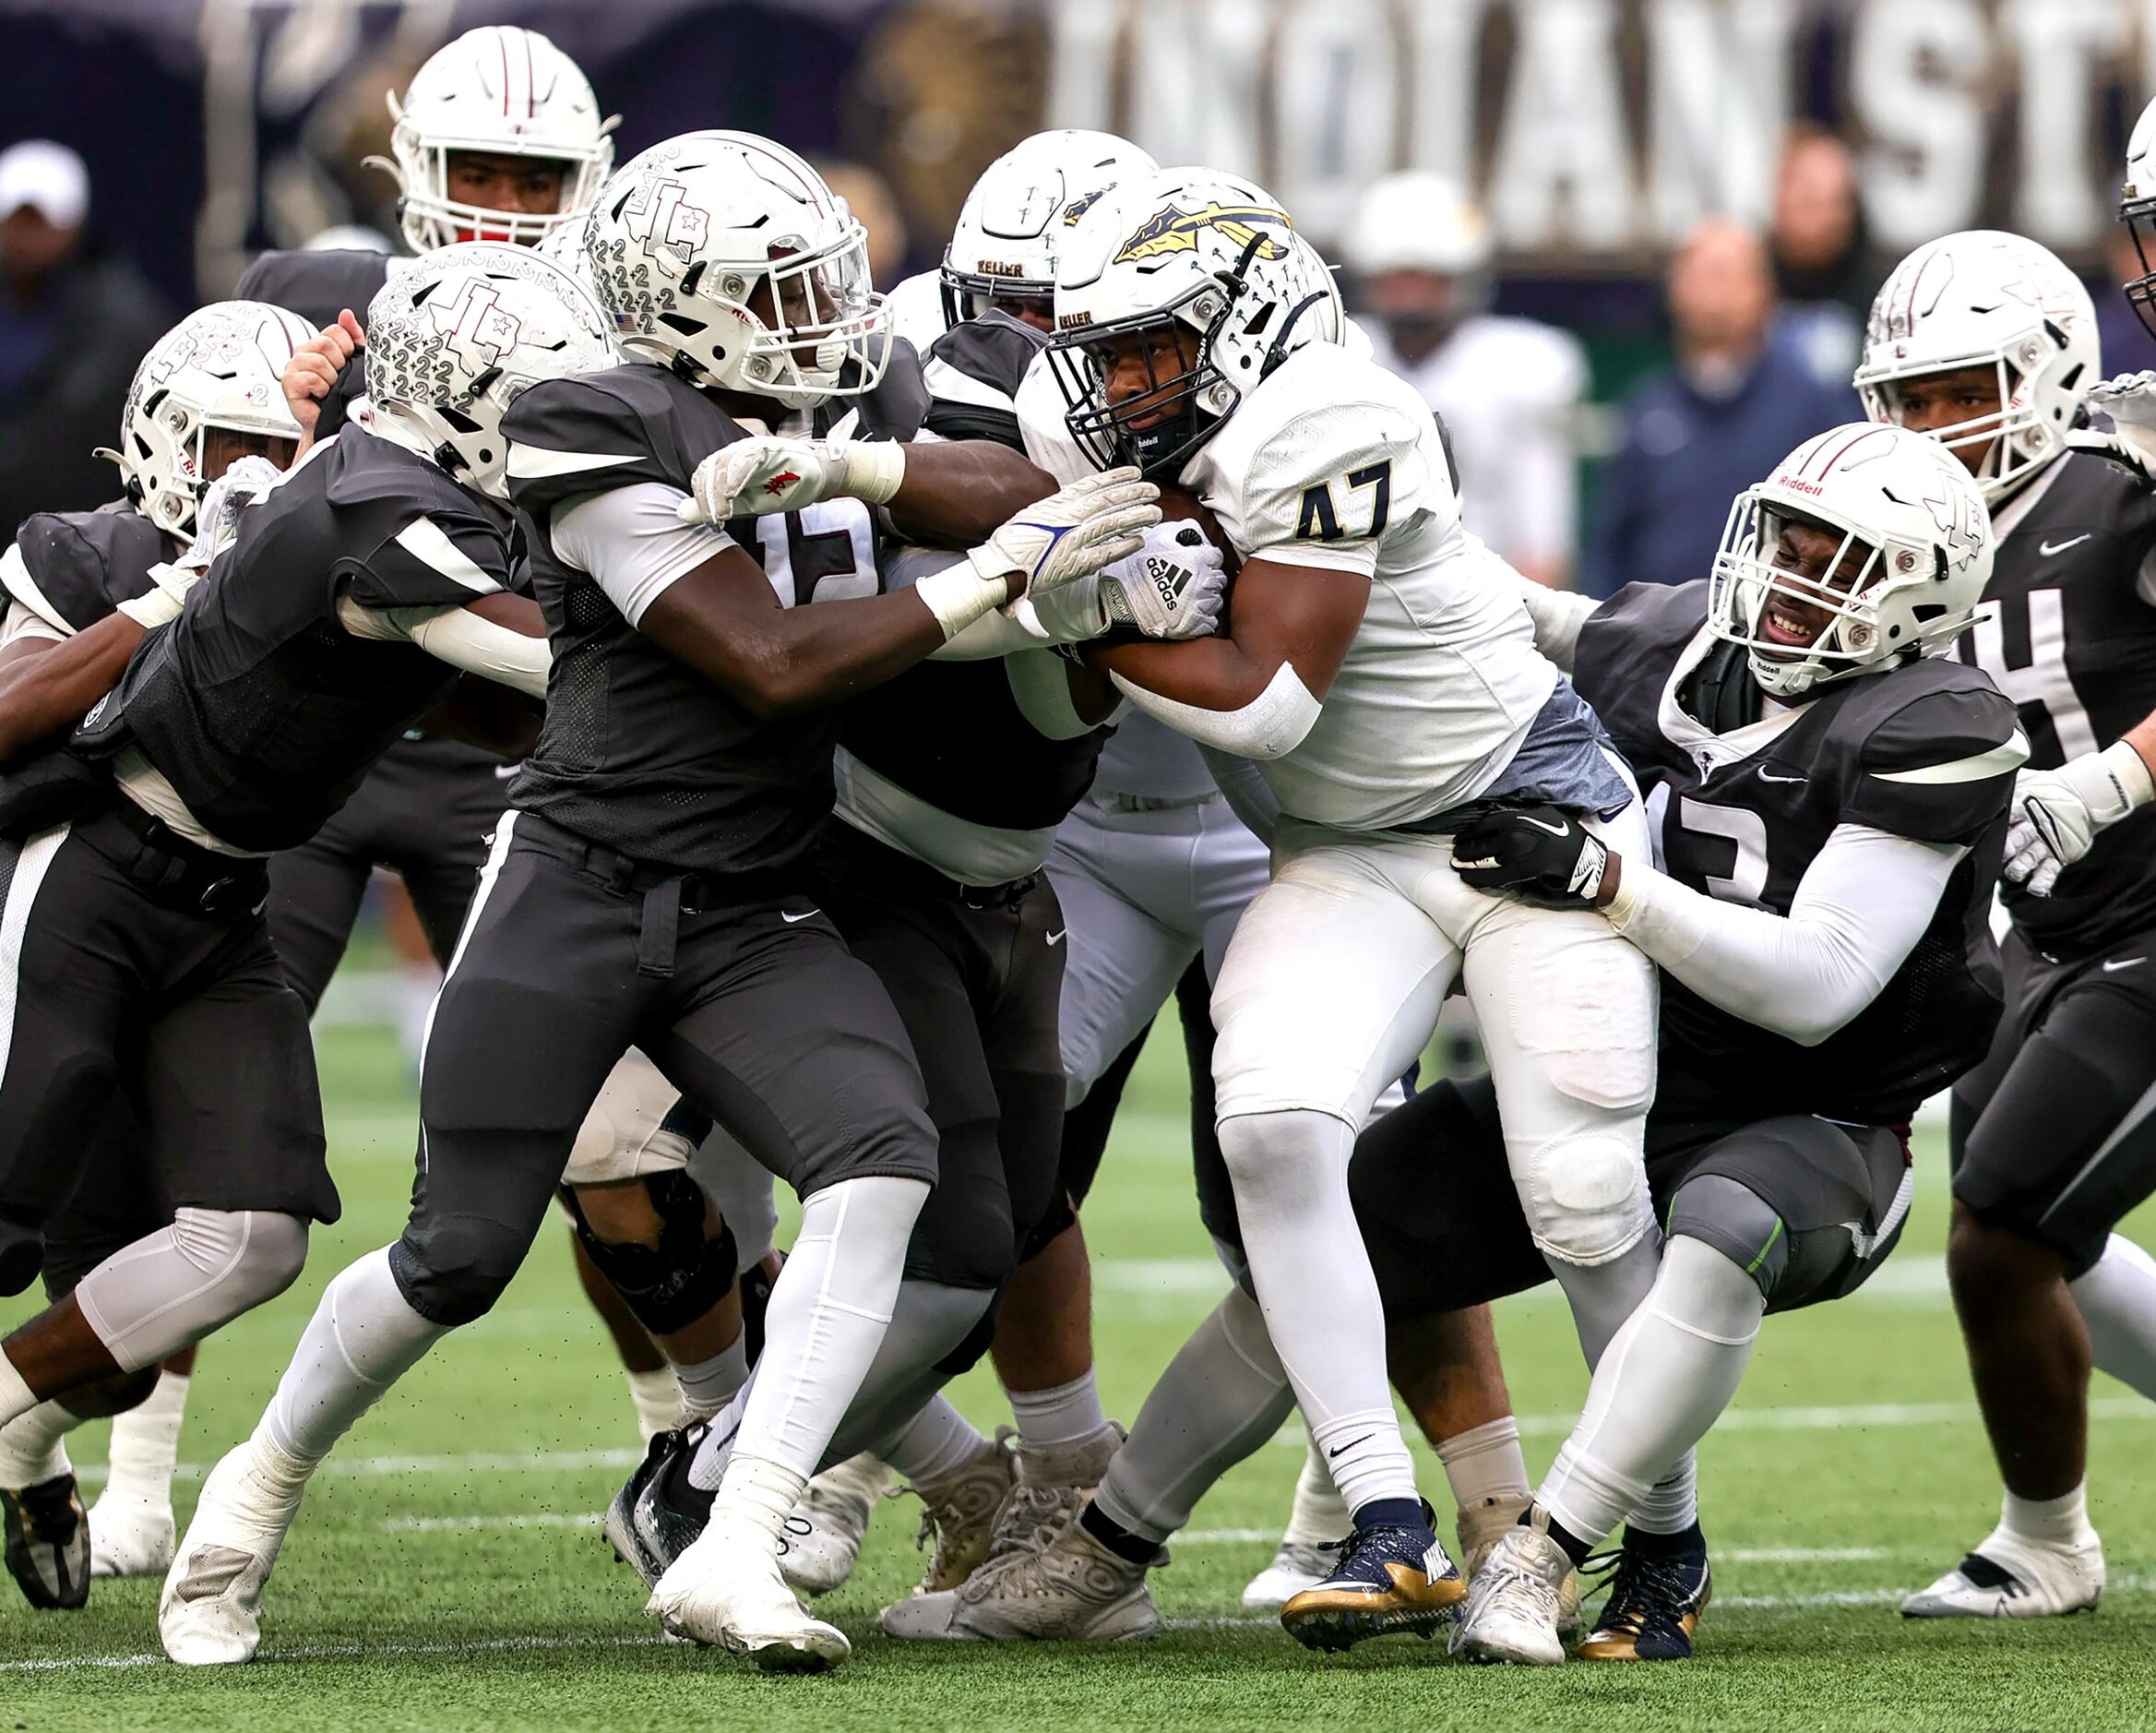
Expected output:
(31, 1450)
(756, 1497)
(2060, 1521)
(1664, 1378)
(709, 1385)
(362, 1338)
(1223, 1394)
(2117, 1299)
(15, 1395)
(1319, 1515)
(1063, 1413)
(1319, 1297)
(146, 1443)
(938, 1441)
(1486, 1462)
(657, 1398)
(828, 1312)
(1672, 1504)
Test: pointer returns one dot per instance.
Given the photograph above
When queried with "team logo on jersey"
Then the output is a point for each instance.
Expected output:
(477, 329)
(660, 222)
(1173, 230)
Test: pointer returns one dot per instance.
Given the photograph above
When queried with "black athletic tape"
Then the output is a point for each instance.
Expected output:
(668, 1287)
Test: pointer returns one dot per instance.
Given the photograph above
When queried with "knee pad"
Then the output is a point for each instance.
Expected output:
(255, 1255)
(1738, 1222)
(1586, 1197)
(454, 1274)
(669, 1286)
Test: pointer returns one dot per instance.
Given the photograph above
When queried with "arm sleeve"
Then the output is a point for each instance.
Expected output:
(633, 543)
(1559, 616)
(458, 637)
(1863, 904)
(24, 624)
(1270, 726)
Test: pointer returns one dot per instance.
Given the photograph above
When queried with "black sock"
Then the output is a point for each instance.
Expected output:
(1576, 1548)
(1119, 1540)
(1391, 1513)
(1687, 1543)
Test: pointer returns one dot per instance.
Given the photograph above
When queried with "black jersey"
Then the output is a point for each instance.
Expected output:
(258, 707)
(2068, 632)
(640, 751)
(1927, 750)
(952, 733)
(74, 568)
(318, 286)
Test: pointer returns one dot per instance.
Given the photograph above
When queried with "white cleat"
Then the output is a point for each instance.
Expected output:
(1511, 1609)
(130, 1535)
(726, 1591)
(1482, 1526)
(1295, 1567)
(2009, 1576)
(822, 1538)
(210, 1613)
(1070, 1589)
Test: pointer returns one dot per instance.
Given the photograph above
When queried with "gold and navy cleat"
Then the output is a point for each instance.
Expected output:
(1389, 1579)
(1653, 1609)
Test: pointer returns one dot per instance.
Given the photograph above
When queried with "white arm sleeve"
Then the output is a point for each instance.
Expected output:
(458, 637)
(23, 624)
(1557, 614)
(1863, 904)
(1270, 726)
(633, 543)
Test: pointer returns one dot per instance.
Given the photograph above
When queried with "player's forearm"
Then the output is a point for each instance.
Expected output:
(1215, 692)
(957, 491)
(41, 694)
(1864, 904)
(780, 661)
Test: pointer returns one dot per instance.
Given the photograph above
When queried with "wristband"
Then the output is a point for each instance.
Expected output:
(2128, 773)
(873, 470)
(957, 596)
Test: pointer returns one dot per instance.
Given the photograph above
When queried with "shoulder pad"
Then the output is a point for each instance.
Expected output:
(78, 565)
(317, 286)
(573, 436)
(973, 374)
(1939, 747)
(1628, 647)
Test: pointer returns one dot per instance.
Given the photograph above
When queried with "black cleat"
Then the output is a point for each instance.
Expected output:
(1654, 1605)
(48, 1544)
(657, 1513)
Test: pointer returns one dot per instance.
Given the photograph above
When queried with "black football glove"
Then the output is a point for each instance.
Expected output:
(1537, 855)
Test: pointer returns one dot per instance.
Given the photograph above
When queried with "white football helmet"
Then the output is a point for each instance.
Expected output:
(724, 256)
(1984, 298)
(1193, 255)
(2137, 209)
(1417, 220)
(1004, 247)
(508, 92)
(218, 370)
(1914, 554)
(454, 337)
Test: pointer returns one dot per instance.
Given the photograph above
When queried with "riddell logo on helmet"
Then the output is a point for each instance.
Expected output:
(1784, 478)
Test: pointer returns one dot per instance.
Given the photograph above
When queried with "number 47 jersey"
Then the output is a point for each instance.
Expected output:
(1333, 462)
(2068, 631)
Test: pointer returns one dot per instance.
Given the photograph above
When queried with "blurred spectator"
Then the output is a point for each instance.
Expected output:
(1736, 404)
(1822, 260)
(1507, 389)
(72, 329)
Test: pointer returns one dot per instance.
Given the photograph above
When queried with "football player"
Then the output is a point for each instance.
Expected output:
(345, 606)
(1988, 344)
(1380, 668)
(653, 870)
(206, 395)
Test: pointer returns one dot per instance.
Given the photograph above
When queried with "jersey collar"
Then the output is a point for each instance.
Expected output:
(1708, 750)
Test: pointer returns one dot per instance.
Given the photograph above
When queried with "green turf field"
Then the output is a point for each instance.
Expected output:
(448, 1571)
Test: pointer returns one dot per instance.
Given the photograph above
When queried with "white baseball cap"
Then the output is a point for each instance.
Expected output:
(49, 177)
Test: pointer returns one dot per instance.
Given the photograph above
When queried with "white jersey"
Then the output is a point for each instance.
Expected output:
(1334, 462)
(1507, 390)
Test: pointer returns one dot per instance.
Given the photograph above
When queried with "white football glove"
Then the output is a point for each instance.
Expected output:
(1172, 587)
(216, 523)
(2130, 400)
(1075, 531)
(769, 472)
(2056, 814)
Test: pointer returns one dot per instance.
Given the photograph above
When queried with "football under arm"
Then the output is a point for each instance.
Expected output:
(46, 687)
(1254, 691)
(1863, 904)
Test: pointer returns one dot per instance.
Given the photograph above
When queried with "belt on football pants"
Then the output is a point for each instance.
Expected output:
(1109, 800)
(172, 871)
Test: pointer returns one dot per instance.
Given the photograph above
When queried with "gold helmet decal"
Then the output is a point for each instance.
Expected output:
(1173, 230)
